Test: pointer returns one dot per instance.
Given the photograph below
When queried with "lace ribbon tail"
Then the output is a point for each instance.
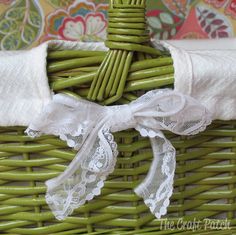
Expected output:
(156, 189)
(84, 177)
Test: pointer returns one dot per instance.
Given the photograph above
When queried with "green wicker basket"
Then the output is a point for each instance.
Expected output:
(206, 163)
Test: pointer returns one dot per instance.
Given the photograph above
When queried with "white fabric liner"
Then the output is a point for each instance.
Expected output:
(24, 88)
(205, 70)
(87, 127)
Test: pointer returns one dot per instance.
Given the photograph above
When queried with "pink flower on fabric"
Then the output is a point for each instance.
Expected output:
(80, 21)
(93, 26)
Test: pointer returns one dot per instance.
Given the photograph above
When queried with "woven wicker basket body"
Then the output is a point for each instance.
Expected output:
(206, 163)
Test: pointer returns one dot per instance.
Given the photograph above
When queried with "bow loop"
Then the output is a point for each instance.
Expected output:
(173, 111)
(159, 103)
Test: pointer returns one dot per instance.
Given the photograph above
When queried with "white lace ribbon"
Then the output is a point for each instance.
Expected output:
(87, 127)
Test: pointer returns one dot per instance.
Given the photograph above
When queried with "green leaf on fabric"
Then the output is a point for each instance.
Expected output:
(16, 13)
(28, 34)
(7, 25)
(11, 41)
(20, 25)
(35, 19)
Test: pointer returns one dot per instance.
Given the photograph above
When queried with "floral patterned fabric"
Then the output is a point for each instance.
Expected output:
(27, 23)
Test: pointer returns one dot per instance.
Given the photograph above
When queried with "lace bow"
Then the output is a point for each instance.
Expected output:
(87, 127)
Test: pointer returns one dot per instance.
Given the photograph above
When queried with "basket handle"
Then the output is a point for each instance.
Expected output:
(128, 39)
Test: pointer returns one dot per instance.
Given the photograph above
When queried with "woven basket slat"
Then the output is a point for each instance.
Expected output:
(208, 158)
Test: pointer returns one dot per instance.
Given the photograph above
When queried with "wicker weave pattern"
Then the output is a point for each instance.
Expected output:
(205, 175)
(209, 158)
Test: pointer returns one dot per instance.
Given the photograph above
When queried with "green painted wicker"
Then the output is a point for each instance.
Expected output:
(206, 163)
